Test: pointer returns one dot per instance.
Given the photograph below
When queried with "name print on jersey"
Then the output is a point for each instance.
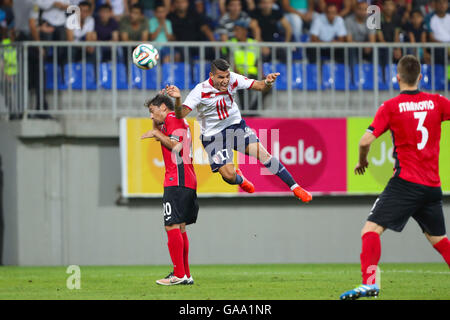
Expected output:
(416, 106)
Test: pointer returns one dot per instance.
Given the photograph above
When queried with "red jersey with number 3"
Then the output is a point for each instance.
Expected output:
(414, 119)
(179, 167)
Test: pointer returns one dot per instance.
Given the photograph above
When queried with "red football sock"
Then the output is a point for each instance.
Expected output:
(370, 255)
(186, 254)
(443, 247)
(175, 245)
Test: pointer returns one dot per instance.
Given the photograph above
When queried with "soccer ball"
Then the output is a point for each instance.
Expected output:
(145, 56)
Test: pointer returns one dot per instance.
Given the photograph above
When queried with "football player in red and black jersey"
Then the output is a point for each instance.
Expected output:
(414, 120)
(180, 204)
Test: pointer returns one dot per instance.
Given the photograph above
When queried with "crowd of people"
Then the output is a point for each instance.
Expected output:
(161, 21)
(241, 21)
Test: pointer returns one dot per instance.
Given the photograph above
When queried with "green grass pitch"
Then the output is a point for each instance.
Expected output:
(226, 282)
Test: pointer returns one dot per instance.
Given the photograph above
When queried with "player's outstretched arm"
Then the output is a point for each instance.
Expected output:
(266, 84)
(364, 147)
(165, 140)
(173, 92)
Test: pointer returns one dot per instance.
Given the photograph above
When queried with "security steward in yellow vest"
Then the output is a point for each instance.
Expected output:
(245, 62)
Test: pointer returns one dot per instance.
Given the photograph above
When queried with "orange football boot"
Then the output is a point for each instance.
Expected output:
(302, 194)
(247, 186)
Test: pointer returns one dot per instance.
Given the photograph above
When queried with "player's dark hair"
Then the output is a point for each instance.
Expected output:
(219, 64)
(158, 100)
(408, 69)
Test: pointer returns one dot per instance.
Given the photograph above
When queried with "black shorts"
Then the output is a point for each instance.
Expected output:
(219, 147)
(402, 199)
(179, 205)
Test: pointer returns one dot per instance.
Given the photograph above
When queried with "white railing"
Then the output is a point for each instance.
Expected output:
(98, 79)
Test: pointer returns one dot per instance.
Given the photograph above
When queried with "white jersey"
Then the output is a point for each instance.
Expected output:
(216, 109)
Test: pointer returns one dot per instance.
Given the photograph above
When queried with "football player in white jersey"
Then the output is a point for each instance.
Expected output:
(223, 129)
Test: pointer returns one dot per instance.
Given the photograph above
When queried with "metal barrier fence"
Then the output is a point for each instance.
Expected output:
(98, 79)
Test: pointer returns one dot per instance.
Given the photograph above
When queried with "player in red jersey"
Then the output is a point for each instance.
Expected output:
(180, 205)
(414, 119)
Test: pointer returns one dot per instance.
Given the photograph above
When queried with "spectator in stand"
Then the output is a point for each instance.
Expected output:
(119, 7)
(234, 13)
(188, 25)
(389, 32)
(269, 21)
(149, 6)
(328, 27)
(77, 2)
(201, 10)
(84, 33)
(135, 26)
(26, 14)
(247, 6)
(26, 19)
(87, 26)
(415, 29)
(415, 32)
(298, 12)
(245, 62)
(53, 16)
(8, 62)
(344, 7)
(404, 8)
(439, 29)
(8, 19)
(106, 29)
(425, 6)
(161, 32)
(357, 31)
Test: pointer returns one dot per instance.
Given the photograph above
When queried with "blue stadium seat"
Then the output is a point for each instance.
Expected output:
(74, 78)
(106, 76)
(425, 82)
(391, 76)
(367, 77)
(174, 73)
(281, 83)
(151, 78)
(311, 76)
(138, 76)
(335, 76)
(196, 77)
(439, 77)
(48, 68)
(297, 76)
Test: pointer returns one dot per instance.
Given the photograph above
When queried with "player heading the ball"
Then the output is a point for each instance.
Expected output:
(223, 129)
(180, 206)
